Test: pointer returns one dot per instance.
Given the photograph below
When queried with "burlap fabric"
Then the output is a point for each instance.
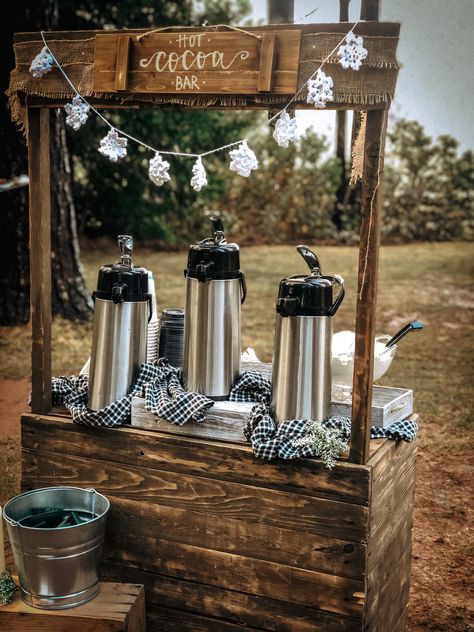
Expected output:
(373, 83)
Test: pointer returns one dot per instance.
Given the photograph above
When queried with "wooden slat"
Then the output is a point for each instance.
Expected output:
(255, 540)
(211, 82)
(239, 72)
(367, 287)
(385, 611)
(184, 491)
(387, 29)
(235, 572)
(212, 459)
(40, 257)
(117, 608)
(267, 62)
(121, 69)
(245, 610)
(132, 103)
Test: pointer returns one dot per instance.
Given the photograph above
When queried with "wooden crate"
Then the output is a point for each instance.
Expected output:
(117, 608)
(223, 541)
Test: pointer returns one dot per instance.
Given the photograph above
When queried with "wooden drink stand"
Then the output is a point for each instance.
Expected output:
(221, 540)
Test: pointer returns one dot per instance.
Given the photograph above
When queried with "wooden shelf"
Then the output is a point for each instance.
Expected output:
(117, 608)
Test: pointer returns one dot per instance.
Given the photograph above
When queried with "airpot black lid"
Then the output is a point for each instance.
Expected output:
(214, 258)
(121, 281)
(309, 295)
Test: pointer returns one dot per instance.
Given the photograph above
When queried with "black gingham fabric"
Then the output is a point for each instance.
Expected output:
(251, 386)
(160, 386)
(270, 441)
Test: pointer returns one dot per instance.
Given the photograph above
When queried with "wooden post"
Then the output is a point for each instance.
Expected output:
(40, 257)
(369, 10)
(367, 286)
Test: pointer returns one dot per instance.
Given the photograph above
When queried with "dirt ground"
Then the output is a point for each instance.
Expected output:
(437, 364)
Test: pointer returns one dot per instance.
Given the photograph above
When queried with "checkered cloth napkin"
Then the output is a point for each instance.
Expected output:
(160, 386)
(270, 441)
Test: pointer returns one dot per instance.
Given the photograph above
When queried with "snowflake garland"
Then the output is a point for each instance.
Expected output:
(158, 170)
(243, 160)
(352, 53)
(113, 146)
(42, 63)
(77, 112)
(320, 90)
(199, 179)
(285, 130)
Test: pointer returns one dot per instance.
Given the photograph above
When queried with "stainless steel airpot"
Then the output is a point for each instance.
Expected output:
(301, 383)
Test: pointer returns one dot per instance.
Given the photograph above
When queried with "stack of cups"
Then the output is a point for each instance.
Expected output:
(172, 336)
(153, 325)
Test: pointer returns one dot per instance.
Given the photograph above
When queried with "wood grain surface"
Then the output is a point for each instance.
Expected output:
(198, 62)
(40, 257)
(212, 459)
(117, 608)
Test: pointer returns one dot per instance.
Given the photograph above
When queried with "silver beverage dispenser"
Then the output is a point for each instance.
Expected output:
(122, 308)
(215, 290)
(301, 381)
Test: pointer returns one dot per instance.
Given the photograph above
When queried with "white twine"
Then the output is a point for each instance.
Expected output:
(312, 75)
(136, 140)
(187, 154)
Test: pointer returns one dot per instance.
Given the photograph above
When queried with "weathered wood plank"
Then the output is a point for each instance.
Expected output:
(256, 540)
(211, 82)
(225, 421)
(393, 482)
(117, 608)
(384, 612)
(267, 62)
(236, 572)
(40, 257)
(185, 491)
(213, 459)
(388, 29)
(367, 287)
(122, 55)
(199, 62)
(242, 609)
(132, 103)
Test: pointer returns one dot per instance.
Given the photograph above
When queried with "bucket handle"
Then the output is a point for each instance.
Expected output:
(93, 492)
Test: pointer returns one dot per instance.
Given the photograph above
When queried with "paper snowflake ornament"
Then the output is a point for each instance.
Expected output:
(243, 160)
(113, 146)
(320, 90)
(285, 130)
(77, 112)
(199, 179)
(158, 170)
(352, 53)
(42, 63)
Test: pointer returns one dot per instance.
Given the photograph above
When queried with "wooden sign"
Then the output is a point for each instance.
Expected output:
(198, 62)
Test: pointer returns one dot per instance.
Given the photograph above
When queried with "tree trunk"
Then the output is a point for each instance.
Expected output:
(280, 11)
(70, 297)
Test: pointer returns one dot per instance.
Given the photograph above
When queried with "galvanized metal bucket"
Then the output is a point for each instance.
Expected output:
(58, 567)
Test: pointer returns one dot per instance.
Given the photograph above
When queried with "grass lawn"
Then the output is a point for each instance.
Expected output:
(433, 283)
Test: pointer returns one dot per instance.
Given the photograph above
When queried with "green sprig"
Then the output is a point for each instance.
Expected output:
(7, 588)
(326, 443)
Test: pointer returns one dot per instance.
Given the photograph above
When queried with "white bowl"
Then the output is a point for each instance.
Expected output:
(342, 360)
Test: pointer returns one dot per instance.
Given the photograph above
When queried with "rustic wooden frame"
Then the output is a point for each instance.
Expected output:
(40, 250)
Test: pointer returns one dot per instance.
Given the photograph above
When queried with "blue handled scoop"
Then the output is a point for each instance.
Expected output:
(413, 326)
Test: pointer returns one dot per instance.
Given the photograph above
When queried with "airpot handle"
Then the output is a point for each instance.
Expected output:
(217, 229)
(311, 259)
(125, 243)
